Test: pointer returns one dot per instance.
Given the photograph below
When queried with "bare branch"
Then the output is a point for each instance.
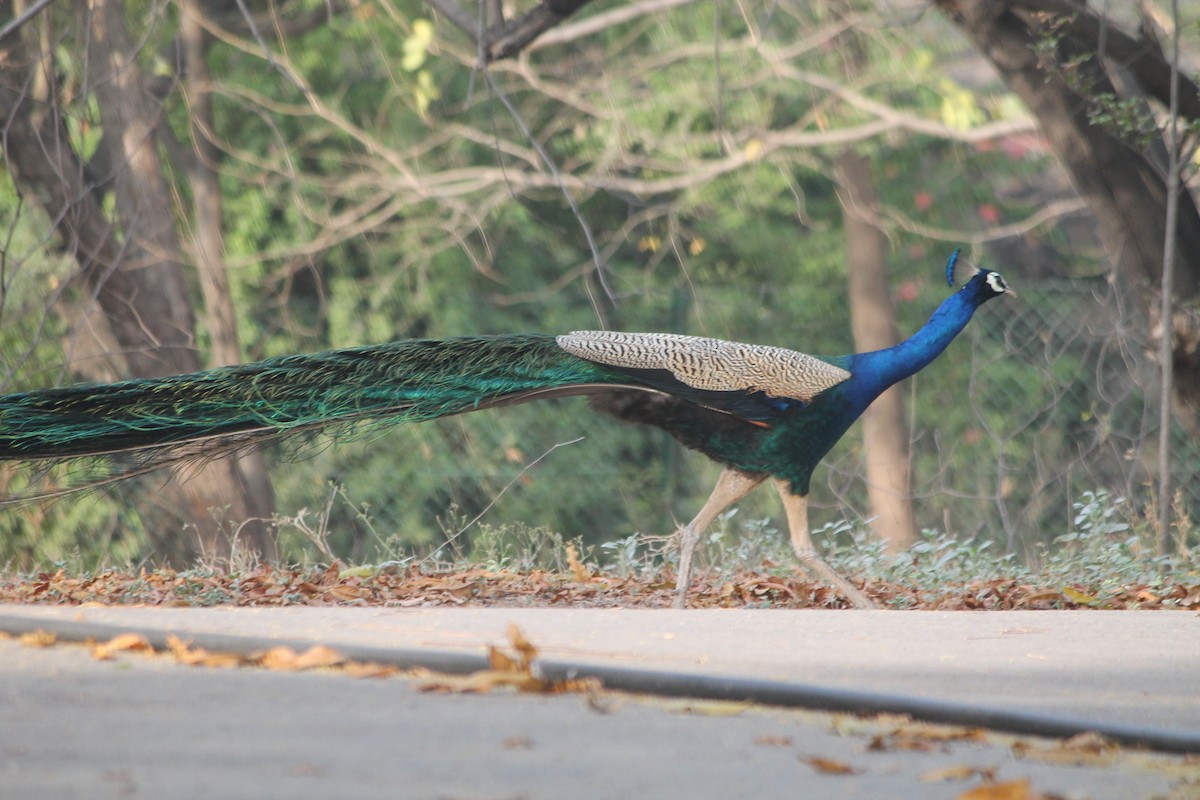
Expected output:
(603, 21)
(1047, 213)
(515, 36)
(507, 39)
(16, 24)
(452, 11)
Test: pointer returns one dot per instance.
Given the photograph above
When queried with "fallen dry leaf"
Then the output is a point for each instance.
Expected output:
(883, 742)
(959, 772)
(285, 659)
(501, 661)
(124, 642)
(190, 656)
(344, 593)
(1088, 741)
(181, 650)
(38, 638)
(518, 742)
(1035, 597)
(1012, 790)
(716, 708)
(1083, 749)
(277, 658)
(485, 680)
(525, 650)
(774, 741)
(829, 766)
(938, 733)
(369, 669)
(273, 586)
(505, 671)
(317, 656)
(1147, 596)
(581, 573)
(923, 737)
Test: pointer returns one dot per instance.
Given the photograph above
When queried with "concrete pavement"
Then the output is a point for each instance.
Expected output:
(136, 728)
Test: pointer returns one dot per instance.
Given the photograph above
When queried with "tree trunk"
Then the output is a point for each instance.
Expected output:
(1122, 187)
(136, 279)
(208, 250)
(873, 320)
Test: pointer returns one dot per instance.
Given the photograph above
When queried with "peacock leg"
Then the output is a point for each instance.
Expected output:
(796, 507)
(732, 486)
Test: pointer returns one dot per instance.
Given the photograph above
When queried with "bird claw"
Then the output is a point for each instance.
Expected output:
(817, 567)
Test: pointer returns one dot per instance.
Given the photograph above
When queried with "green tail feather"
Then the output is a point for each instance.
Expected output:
(211, 412)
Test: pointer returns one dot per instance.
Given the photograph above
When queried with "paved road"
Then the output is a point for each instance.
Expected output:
(145, 727)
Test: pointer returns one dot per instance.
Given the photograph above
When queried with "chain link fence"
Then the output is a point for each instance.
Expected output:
(1056, 397)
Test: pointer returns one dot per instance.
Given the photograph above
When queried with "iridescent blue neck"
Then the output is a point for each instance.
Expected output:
(875, 371)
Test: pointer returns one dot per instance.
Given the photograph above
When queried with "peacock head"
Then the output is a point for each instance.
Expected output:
(989, 282)
(995, 282)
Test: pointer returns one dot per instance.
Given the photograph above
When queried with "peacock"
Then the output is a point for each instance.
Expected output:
(761, 412)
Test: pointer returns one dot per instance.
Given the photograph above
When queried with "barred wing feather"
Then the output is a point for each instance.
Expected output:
(710, 365)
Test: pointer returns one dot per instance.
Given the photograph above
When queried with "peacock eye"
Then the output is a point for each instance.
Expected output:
(997, 283)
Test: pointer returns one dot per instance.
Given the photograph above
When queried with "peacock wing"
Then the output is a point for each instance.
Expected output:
(755, 382)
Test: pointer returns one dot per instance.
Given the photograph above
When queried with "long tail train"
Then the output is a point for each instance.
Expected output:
(151, 423)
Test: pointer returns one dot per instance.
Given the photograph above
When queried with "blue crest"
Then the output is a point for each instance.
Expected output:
(950, 267)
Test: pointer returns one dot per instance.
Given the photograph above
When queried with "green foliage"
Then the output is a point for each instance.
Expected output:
(1110, 549)
(935, 561)
(196, 591)
(518, 548)
(88, 530)
(356, 210)
(1130, 120)
(1107, 550)
(636, 555)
